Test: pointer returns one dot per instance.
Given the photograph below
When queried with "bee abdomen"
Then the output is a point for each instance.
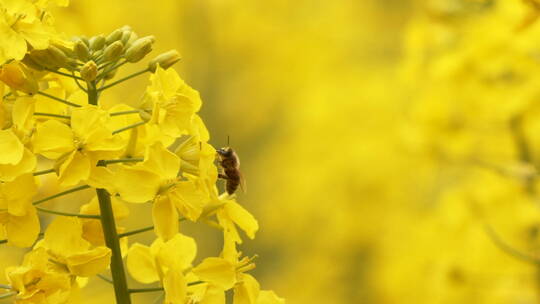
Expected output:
(232, 185)
(233, 180)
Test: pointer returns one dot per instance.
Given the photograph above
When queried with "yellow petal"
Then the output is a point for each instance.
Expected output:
(242, 218)
(13, 44)
(18, 193)
(161, 161)
(89, 263)
(198, 129)
(93, 232)
(26, 165)
(269, 297)
(18, 77)
(36, 34)
(74, 169)
(53, 139)
(86, 121)
(175, 287)
(178, 252)
(217, 271)
(140, 264)
(11, 147)
(47, 105)
(23, 111)
(64, 236)
(213, 295)
(102, 177)
(247, 291)
(22, 231)
(165, 218)
(136, 185)
(120, 209)
(189, 198)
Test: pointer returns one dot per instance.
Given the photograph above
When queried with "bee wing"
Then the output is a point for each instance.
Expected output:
(243, 184)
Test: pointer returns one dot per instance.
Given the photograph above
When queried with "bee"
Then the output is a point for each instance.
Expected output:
(229, 161)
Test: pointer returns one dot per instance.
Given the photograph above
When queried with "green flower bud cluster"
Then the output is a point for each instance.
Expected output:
(99, 57)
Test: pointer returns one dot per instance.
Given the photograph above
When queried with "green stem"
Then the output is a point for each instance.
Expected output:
(52, 115)
(122, 160)
(79, 84)
(108, 224)
(124, 79)
(42, 172)
(92, 93)
(124, 112)
(509, 249)
(3, 286)
(64, 74)
(108, 70)
(138, 290)
(104, 278)
(60, 194)
(59, 99)
(140, 123)
(121, 235)
(89, 216)
(8, 295)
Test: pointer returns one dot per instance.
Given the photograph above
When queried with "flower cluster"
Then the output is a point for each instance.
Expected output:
(154, 151)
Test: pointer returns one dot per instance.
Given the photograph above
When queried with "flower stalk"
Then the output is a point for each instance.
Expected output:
(108, 224)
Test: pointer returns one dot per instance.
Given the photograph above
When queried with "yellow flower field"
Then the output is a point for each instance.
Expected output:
(389, 150)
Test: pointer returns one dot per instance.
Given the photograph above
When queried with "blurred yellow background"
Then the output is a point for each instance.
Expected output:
(390, 147)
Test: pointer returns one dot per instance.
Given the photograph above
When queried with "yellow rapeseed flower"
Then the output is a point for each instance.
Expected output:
(21, 24)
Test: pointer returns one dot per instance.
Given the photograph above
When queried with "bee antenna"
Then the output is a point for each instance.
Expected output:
(228, 143)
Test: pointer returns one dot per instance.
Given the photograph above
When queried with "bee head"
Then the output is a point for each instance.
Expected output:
(225, 152)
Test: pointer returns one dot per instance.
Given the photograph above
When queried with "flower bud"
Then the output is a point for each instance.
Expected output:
(81, 50)
(97, 43)
(18, 77)
(139, 48)
(58, 57)
(85, 40)
(114, 36)
(113, 51)
(126, 35)
(97, 55)
(145, 116)
(110, 75)
(165, 60)
(31, 63)
(89, 71)
(43, 58)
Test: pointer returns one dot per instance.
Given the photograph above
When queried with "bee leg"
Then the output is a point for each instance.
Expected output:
(223, 176)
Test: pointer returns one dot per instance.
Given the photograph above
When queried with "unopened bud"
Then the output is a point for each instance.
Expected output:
(145, 116)
(18, 77)
(97, 55)
(97, 43)
(81, 50)
(59, 58)
(110, 75)
(113, 51)
(89, 71)
(139, 48)
(43, 58)
(31, 63)
(165, 60)
(126, 35)
(84, 39)
(126, 28)
(114, 36)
